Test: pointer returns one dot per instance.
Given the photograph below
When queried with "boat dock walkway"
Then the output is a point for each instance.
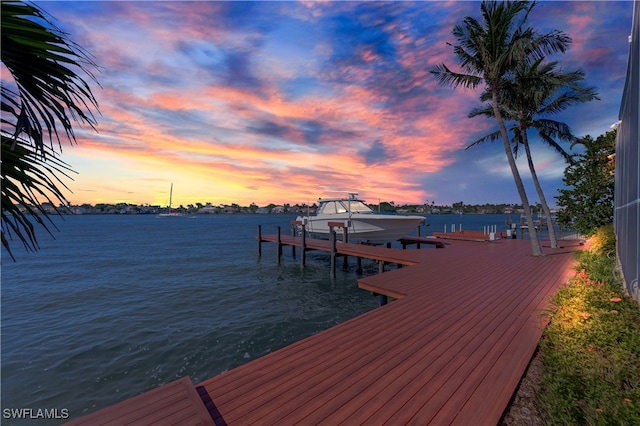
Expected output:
(451, 350)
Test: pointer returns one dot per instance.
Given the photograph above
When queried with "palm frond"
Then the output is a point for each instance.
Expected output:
(44, 66)
(551, 131)
(447, 77)
(491, 137)
(28, 179)
(42, 101)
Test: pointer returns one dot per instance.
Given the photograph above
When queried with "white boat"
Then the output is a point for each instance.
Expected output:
(363, 224)
(170, 213)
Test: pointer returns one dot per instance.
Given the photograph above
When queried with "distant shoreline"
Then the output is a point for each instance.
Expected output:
(208, 208)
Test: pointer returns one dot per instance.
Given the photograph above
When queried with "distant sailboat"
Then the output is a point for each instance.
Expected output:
(169, 213)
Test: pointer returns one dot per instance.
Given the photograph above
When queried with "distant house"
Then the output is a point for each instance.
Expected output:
(208, 209)
(277, 209)
(229, 209)
(79, 210)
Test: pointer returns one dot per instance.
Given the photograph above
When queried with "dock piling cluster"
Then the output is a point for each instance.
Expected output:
(334, 247)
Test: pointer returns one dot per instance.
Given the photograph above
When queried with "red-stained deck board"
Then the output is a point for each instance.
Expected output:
(176, 403)
(409, 240)
(462, 326)
(457, 381)
(514, 358)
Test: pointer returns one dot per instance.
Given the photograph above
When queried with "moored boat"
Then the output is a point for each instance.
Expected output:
(363, 224)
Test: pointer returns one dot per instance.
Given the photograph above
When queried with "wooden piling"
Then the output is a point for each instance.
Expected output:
(332, 242)
(294, 223)
(345, 239)
(259, 240)
(279, 246)
(303, 255)
(303, 238)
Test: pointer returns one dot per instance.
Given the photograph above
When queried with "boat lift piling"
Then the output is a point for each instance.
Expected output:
(345, 249)
(279, 246)
(303, 255)
(303, 241)
(333, 238)
(293, 234)
(332, 244)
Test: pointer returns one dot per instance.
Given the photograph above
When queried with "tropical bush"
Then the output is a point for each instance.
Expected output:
(591, 349)
(587, 201)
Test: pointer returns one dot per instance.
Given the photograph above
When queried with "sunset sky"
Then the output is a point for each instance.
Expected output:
(290, 101)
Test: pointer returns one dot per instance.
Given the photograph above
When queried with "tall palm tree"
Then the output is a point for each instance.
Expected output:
(537, 90)
(489, 52)
(39, 103)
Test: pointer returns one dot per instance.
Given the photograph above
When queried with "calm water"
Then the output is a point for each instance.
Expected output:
(117, 305)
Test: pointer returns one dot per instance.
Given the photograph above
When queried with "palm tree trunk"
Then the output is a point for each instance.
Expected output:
(536, 182)
(533, 236)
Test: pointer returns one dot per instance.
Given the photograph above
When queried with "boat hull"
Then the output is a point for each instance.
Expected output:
(365, 228)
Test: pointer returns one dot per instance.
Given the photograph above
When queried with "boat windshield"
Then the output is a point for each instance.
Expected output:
(355, 206)
(343, 206)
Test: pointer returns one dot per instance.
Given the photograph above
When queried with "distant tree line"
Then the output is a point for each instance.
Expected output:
(287, 208)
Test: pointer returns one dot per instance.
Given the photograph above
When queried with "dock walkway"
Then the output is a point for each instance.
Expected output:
(451, 350)
(377, 253)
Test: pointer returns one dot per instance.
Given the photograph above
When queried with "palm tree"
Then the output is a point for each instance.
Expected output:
(45, 95)
(489, 52)
(539, 90)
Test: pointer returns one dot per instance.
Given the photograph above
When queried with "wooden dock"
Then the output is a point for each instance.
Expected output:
(176, 403)
(451, 350)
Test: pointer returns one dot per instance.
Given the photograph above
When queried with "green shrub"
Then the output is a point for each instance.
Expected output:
(591, 348)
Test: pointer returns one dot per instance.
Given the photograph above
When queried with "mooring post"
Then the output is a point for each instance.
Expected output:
(380, 266)
(293, 234)
(332, 242)
(345, 239)
(303, 255)
(383, 299)
(358, 265)
(417, 244)
(279, 246)
(259, 240)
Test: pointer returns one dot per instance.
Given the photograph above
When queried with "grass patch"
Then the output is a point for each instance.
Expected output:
(591, 348)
